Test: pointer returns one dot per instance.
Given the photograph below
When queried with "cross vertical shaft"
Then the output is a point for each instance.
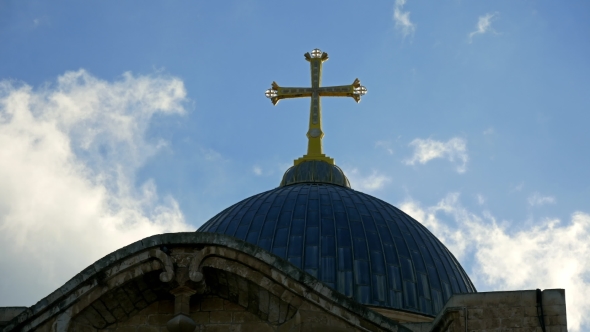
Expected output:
(315, 133)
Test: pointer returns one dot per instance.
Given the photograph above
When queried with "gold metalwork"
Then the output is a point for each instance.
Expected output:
(315, 133)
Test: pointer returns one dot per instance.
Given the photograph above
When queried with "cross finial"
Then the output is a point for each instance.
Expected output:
(315, 133)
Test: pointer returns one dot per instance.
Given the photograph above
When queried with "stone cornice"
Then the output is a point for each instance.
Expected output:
(136, 257)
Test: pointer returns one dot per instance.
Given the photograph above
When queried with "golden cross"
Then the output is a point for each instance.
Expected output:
(315, 133)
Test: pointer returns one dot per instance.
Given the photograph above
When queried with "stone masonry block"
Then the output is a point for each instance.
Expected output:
(148, 328)
(502, 299)
(221, 328)
(141, 304)
(216, 317)
(130, 328)
(138, 319)
(263, 315)
(123, 300)
(475, 324)
(283, 307)
(231, 306)
(95, 318)
(476, 313)
(244, 316)
(243, 284)
(243, 298)
(119, 313)
(159, 319)
(200, 317)
(166, 307)
(149, 295)
(530, 311)
(277, 289)
(492, 313)
(493, 323)
(258, 327)
(291, 311)
(553, 297)
(522, 329)
(232, 286)
(133, 292)
(212, 304)
(512, 322)
(512, 312)
(531, 321)
(253, 306)
(230, 254)
(104, 312)
(554, 310)
(273, 309)
(556, 320)
(263, 300)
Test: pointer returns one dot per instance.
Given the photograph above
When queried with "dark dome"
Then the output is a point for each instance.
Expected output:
(353, 242)
(315, 171)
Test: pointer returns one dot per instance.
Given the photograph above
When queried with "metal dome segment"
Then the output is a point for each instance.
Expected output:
(315, 171)
(357, 244)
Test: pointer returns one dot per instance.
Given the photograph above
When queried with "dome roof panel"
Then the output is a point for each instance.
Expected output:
(355, 243)
(315, 171)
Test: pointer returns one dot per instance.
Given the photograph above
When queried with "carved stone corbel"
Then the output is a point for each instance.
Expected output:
(168, 274)
(195, 272)
(175, 267)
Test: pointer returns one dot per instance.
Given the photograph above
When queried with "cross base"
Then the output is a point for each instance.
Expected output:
(318, 157)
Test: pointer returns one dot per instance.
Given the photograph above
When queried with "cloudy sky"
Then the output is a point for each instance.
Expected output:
(119, 120)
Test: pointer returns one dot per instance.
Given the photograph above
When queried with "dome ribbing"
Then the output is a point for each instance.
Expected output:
(315, 171)
(357, 244)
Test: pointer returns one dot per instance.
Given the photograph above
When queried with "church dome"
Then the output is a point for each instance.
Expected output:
(357, 244)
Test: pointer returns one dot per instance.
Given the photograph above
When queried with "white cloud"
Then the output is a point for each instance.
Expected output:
(210, 154)
(480, 199)
(69, 155)
(537, 199)
(372, 182)
(489, 131)
(549, 255)
(385, 145)
(517, 187)
(484, 24)
(402, 19)
(453, 150)
(257, 170)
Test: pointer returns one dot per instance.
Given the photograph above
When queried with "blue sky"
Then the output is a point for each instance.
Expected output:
(122, 120)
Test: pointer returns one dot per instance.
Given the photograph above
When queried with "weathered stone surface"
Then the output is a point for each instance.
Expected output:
(123, 291)
(503, 311)
(217, 317)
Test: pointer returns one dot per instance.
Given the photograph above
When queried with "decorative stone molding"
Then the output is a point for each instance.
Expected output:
(130, 279)
(168, 274)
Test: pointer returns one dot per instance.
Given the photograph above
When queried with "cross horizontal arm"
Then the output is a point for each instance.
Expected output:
(276, 92)
(354, 90)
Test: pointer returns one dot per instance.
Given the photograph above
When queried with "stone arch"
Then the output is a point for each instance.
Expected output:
(176, 272)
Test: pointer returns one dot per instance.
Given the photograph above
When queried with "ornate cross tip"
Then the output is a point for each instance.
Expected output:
(273, 93)
(316, 53)
(358, 90)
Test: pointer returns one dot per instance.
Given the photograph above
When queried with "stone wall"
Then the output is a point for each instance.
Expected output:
(211, 313)
(503, 311)
(210, 281)
(8, 313)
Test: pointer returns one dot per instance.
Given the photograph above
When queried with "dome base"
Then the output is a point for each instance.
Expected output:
(314, 171)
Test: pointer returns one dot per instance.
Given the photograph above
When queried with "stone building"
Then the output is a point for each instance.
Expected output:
(310, 255)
